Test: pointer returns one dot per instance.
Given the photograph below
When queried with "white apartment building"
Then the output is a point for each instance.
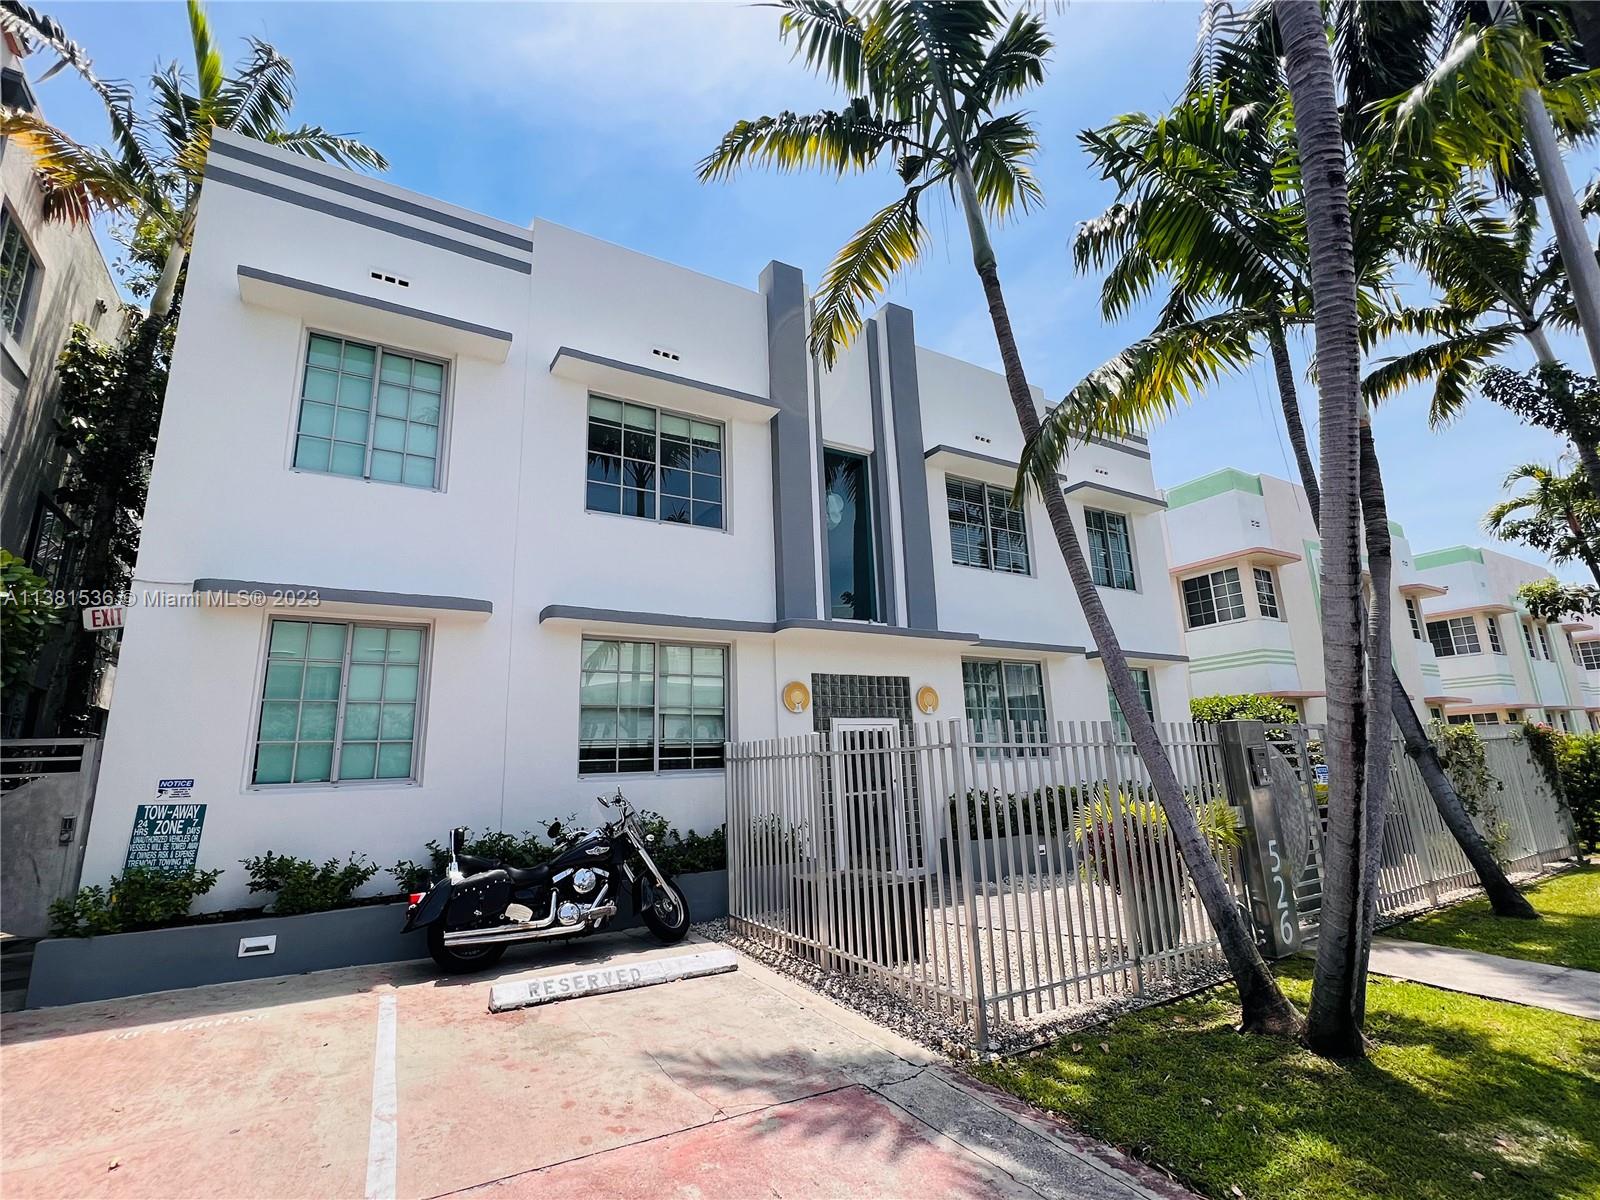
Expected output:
(1499, 663)
(464, 523)
(1246, 557)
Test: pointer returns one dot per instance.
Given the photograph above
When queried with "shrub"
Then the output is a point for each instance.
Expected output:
(684, 853)
(303, 886)
(1464, 760)
(139, 898)
(1246, 706)
(1571, 762)
(1143, 817)
(26, 619)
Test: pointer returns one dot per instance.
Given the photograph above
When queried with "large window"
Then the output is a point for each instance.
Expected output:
(1415, 617)
(1484, 718)
(1492, 624)
(1457, 635)
(985, 530)
(370, 413)
(644, 462)
(1141, 677)
(648, 706)
(1004, 700)
(852, 557)
(1589, 653)
(17, 270)
(340, 702)
(1110, 549)
(1266, 594)
(1214, 598)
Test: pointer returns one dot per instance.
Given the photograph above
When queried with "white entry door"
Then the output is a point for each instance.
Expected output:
(869, 818)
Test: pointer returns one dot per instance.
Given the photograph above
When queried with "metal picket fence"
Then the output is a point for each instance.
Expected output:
(1005, 875)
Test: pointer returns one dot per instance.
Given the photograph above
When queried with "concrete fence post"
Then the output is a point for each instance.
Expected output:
(1271, 860)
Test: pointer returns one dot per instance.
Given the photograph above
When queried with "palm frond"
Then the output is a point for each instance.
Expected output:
(207, 58)
(1451, 363)
(317, 143)
(828, 37)
(999, 153)
(77, 181)
(256, 100)
(848, 140)
(1015, 62)
(863, 268)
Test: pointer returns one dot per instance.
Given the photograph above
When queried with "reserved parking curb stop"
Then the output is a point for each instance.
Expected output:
(595, 981)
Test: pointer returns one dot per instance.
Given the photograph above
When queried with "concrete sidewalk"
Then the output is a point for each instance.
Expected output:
(388, 1081)
(1561, 989)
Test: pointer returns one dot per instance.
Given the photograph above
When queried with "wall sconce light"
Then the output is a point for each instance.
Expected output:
(927, 700)
(796, 696)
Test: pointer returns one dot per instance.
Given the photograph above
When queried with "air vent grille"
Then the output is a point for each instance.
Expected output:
(395, 280)
(663, 352)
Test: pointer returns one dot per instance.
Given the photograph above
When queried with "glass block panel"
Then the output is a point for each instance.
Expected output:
(366, 682)
(392, 400)
(274, 764)
(317, 721)
(322, 681)
(321, 385)
(358, 359)
(394, 760)
(313, 762)
(327, 642)
(388, 434)
(608, 410)
(427, 376)
(398, 722)
(283, 681)
(405, 645)
(350, 425)
(360, 722)
(387, 465)
(316, 420)
(418, 471)
(288, 639)
(323, 351)
(355, 392)
(311, 453)
(424, 408)
(358, 760)
(396, 369)
(400, 683)
(279, 720)
(348, 458)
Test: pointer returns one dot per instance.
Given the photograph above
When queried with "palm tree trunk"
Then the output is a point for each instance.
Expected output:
(167, 288)
(1289, 398)
(1333, 1024)
(1504, 899)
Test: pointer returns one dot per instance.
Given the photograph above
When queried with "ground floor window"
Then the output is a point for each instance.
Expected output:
(1488, 718)
(1004, 700)
(1142, 678)
(649, 706)
(340, 702)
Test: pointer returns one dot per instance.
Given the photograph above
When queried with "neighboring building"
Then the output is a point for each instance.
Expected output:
(52, 276)
(1246, 563)
(1500, 663)
(573, 517)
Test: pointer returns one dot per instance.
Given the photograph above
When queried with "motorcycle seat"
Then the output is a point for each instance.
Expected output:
(520, 876)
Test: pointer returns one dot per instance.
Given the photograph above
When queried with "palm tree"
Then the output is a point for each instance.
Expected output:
(1559, 517)
(926, 80)
(1494, 288)
(1357, 742)
(155, 167)
(1203, 204)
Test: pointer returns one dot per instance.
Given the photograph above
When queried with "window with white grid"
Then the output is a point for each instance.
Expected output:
(1454, 636)
(370, 413)
(1214, 598)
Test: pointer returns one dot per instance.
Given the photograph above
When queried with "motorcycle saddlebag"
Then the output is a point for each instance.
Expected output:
(478, 900)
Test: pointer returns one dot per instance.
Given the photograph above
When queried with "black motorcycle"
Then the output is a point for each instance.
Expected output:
(480, 907)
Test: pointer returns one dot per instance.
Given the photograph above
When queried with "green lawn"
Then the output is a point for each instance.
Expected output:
(1567, 933)
(1455, 1085)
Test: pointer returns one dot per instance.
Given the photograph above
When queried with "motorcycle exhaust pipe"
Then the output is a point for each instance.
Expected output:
(528, 931)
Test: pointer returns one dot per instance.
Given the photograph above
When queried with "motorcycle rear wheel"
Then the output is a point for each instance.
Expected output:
(459, 960)
(668, 917)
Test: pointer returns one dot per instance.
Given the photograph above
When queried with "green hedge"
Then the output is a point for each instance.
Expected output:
(1244, 706)
(1574, 761)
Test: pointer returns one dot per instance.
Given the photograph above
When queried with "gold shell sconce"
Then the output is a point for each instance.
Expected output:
(927, 699)
(796, 696)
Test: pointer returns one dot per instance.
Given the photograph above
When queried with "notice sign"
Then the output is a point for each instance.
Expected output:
(166, 837)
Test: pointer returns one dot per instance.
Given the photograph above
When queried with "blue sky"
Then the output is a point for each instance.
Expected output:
(593, 115)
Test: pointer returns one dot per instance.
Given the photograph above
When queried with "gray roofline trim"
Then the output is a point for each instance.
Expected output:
(715, 389)
(388, 306)
(362, 191)
(357, 216)
(1114, 445)
(1035, 647)
(1092, 486)
(878, 630)
(1146, 656)
(348, 595)
(618, 616)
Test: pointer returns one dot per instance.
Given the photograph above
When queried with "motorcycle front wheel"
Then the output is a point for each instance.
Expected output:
(668, 916)
(459, 960)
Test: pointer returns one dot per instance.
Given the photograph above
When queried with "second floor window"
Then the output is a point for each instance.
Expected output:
(370, 413)
(1415, 618)
(1544, 644)
(1457, 635)
(1110, 549)
(1527, 640)
(985, 530)
(16, 275)
(643, 462)
(1589, 653)
(1214, 598)
(1492, 624)
(1266, 594)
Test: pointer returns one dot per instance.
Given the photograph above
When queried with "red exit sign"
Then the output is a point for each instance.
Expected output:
(105, 616)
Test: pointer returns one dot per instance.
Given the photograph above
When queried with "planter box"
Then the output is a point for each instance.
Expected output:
(73, 970)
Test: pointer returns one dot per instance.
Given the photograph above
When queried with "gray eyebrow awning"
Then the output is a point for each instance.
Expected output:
(294, 595)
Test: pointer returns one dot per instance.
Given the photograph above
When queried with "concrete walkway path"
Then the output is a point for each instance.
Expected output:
(1562, 989)
(393, 1082)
